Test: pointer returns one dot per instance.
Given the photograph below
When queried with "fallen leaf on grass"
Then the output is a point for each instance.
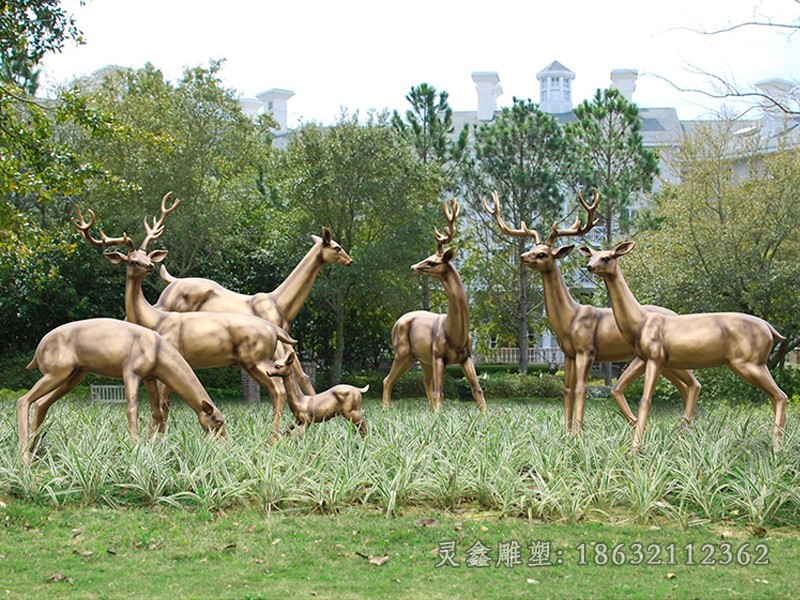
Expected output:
(75, 532)
(251, 529)
(59, 577)
(83, 553)
(533, 581)
(276, 541)
(426, 522)
(155, 546)
(374, 560)
(671, 576)
(111, 552)
(760, 532)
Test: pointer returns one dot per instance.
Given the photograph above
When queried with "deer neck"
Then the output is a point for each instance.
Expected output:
(297, 401)
(558, 302)
(176, 373)
(290, 295)
(137, 309)
(628, 313)
(457, 324)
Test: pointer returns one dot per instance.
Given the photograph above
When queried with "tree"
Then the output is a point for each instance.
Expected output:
(609, 155)
(521, 155)
(365, 184)
(725, 238)
(428, 127)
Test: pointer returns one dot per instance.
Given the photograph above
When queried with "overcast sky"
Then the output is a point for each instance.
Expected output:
(367, 54)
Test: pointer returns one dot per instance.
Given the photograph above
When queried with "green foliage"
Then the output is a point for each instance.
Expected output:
(364, 183)
(607, 153)
(515, 385)
(723, 243)
(521, 155)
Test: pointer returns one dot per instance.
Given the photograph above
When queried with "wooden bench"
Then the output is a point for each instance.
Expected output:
(111, 394)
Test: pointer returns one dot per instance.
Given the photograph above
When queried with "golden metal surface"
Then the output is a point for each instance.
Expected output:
(279, 306)
(436, 340)
(203, 339)
(741, 342)
(586, 334)
(117, 349)
(342, 399)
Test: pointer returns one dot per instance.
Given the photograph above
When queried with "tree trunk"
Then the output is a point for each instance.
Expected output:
(426, 294)
(338, 347)
(251, 390)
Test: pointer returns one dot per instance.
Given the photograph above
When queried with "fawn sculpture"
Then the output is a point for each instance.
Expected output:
(586, 333)
(342, 399)
(204, 339)
(110, 348)
(741, 342)
(279, 306)
(436, 340)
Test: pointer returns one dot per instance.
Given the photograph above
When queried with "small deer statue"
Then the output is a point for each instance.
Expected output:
(279, 306)
(696, 341)
(436, 340)
(344, 400)
(110, 348)
(204, 339)
(586, 333)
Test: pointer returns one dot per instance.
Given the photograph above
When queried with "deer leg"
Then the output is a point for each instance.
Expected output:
(583, 364)
(164, 393)
(44, 403)
(131, 381)
(437, 393)
(629, 375)
(45, 385)
(477, 393)
(276, 391)
(157, 420)
(401, 364)
(652, 372)
(569, 390)
(357, 419)
(759, 376)
(427, 381)
(302, 379)
(689, 388)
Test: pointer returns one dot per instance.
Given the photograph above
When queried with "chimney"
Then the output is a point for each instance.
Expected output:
(625, 81)
(487, 83)
(274, 101)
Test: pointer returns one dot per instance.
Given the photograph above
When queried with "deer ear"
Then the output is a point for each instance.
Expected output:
(449, 254)
(290, 357)
(563, 252)
(586, 251)
(326, 236)
(624, 248)
(207, 407)
(157, 255)
(115, 257)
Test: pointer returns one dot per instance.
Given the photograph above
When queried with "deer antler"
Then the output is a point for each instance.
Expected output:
(155, 230)
(495, 212)
(577, 228)
(83, 227)
(451, 210)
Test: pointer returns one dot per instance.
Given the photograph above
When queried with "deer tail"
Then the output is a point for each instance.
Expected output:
(34, 364)
(165, 276)
(285, 337)
(364, 390)
(776, 337)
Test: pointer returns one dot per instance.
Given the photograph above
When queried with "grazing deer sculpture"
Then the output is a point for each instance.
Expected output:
(117, 349)
(586, 333)
(204, 339)
(279, 306)
(341, 399)
(436, 340)
(741, 342)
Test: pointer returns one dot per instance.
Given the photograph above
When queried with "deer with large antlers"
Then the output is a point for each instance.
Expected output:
(117, 349)
(741, 342)
(279, 306)
(436, 340)
(204, 339)
(586, 333)
(342, 399)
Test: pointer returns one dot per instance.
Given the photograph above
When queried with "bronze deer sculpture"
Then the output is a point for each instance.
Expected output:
(741, 342)
(117, 349)
(279, 306)
(342, 399)
(204, 339)
(586, 333)
(436, 340)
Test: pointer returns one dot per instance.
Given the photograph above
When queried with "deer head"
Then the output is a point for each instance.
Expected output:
(211, 420)
(139, 262)
(332, 252)
(436, 265)
(604, 262)
(542, 256)
(282, 367)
